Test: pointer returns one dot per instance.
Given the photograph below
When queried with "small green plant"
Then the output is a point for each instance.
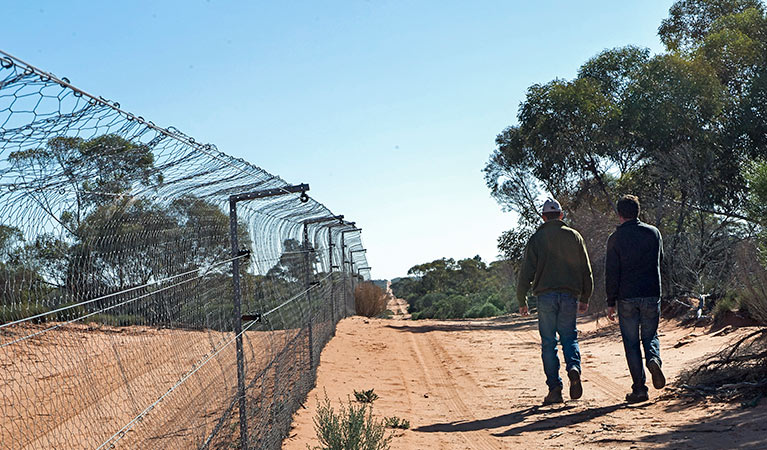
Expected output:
(725, 305)
(353, 427)
(396, 422)
(365, 396)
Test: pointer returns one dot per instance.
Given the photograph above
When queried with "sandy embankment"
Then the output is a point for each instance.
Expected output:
(78, 385)
(478, 385)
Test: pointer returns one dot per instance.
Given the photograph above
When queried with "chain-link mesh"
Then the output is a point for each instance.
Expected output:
(117, 316)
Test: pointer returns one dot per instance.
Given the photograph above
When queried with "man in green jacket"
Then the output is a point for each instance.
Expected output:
(557, 267)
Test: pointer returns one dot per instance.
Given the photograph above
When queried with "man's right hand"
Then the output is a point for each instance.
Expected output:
(523, 310)
(611, 313)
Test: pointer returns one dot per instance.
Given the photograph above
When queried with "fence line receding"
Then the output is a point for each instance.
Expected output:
(155, 292)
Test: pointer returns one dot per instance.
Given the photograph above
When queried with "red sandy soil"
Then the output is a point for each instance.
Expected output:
(478, 384)
(76, 386)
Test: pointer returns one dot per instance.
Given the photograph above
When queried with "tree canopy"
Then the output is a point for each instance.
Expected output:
(686, 130)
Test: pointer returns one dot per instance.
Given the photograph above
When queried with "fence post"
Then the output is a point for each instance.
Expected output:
(308, 272)
(343, 269)
(238, 323)
(332, 282)
(343, 264)
(237, 299)
(308, 282)
(351, 284)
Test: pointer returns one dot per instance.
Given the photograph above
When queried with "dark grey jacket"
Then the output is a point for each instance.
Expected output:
(632, 266)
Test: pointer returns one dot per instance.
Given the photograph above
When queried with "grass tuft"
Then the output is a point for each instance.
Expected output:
(396, 422)
(365, 396)
(352, 427)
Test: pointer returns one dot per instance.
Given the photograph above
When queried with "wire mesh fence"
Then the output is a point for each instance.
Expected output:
(146, 303)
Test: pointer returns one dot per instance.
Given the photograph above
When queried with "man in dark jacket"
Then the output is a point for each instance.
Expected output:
(557, 267)
(632, 280)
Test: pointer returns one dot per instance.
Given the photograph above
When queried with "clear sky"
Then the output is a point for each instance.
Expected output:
(388, 109)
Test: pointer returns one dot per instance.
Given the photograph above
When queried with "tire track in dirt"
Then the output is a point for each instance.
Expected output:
(609, 387)
(591, 372)
(460, 365)
(399, 347)
(433, 357)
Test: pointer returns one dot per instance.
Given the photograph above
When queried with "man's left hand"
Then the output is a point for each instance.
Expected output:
(582, 307)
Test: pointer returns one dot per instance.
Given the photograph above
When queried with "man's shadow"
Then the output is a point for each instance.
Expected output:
(563, 421)
(513, 418)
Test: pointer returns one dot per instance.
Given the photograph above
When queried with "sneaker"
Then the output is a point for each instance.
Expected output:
(576, 388)
(637, 397)
(658, 379)
(554, 396)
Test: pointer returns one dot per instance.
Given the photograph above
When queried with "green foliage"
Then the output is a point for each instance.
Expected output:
(17, 311)
(446, 288)
(512, 243)
(292, 261)
(725, 305)
(397, 423)
(111, 241)
(690, 21)
(117, 320)
(613, 70)
(756, 176)
(97, 169)
(486, 310)
(352, 428)
(367, 396)
(685, 130)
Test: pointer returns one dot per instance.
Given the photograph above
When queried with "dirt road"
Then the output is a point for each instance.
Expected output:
(478, 385)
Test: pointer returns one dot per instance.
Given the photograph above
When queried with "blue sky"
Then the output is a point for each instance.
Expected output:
(387, 109)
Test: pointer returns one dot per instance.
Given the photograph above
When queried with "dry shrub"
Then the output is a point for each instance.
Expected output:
(739, 371)
(736, 372)
(753, 295)
(595, 226)
(369, 300)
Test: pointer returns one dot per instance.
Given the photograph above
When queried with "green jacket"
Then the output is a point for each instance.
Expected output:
(556, 260)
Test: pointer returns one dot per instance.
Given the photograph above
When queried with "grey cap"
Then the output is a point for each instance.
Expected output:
(551, 205)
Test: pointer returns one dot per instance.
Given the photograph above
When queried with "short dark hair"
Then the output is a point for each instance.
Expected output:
(553, 215)
(628, 207)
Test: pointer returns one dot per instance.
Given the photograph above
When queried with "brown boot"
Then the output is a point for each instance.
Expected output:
(554, 396)
(658, 379)
(576, 388)
(637, 397)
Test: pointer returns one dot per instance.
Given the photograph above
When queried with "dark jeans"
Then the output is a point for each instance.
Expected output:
(638, 319)
(556, 315)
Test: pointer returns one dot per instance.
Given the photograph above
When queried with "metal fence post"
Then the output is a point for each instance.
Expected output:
(237, 298)
(308, 283)
(332, 282)
(238, 323)
(343, 268)
(343, 264)
(308, 272)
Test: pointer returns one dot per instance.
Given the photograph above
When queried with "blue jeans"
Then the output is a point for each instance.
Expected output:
(556, 315)
(638, 319)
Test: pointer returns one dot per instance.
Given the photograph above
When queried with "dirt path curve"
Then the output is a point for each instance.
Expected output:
(397, 306)
(478, 385)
